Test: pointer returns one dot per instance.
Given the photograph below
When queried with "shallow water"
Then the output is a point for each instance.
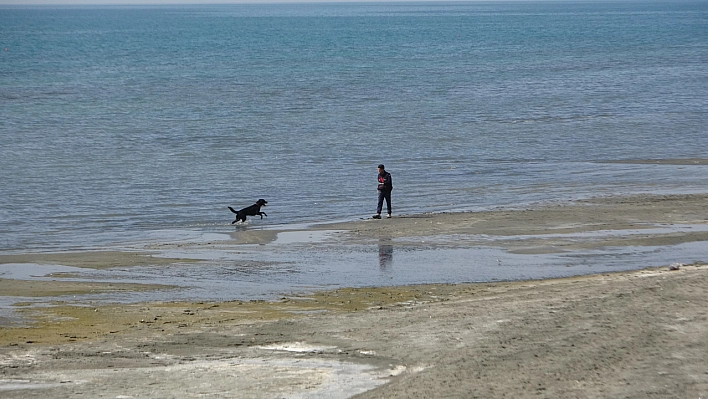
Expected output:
(303, 262)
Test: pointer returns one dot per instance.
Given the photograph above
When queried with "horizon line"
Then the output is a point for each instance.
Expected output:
(226, 2)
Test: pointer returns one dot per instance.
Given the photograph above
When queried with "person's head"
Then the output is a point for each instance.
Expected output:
(381, 168)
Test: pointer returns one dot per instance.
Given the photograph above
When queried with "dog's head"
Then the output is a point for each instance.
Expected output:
(261, 202)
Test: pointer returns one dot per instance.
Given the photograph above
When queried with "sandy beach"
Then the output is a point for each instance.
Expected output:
(629, 334)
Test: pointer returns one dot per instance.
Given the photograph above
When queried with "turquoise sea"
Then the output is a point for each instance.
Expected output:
(121, 121)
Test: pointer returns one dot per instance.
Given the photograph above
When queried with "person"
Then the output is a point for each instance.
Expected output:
(384, 188)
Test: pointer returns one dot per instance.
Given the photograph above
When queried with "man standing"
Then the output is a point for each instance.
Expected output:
(384, 188)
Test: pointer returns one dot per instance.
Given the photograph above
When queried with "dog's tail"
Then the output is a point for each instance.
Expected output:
(232, 210)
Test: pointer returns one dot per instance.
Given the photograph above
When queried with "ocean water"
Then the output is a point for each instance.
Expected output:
(119, 122)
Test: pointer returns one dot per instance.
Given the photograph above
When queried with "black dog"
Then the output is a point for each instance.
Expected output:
(252, 210)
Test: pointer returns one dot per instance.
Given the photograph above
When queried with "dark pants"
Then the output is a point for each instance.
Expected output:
(384, 194)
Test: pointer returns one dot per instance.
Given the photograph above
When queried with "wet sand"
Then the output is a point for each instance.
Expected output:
(633, 334)
(551, 229)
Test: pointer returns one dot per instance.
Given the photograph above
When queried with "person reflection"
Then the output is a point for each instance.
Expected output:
(385, 254)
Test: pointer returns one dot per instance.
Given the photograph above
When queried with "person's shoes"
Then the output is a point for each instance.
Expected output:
(377, 216)
(389, 216)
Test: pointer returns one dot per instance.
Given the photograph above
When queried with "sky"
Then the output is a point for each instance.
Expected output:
(150, 2)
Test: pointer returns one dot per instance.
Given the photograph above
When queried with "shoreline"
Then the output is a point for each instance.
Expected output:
(639, 333)
(578, 228)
